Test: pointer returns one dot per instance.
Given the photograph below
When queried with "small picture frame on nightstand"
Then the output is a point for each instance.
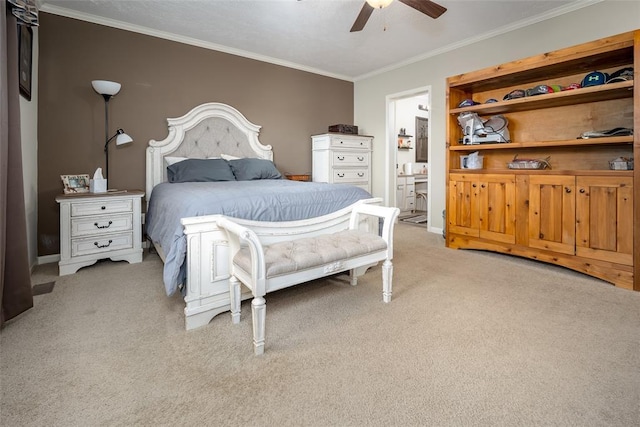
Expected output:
(75, 184)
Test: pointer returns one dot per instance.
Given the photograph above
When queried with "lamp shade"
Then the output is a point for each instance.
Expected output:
(379, 4)
(123, 138)
(105, 87)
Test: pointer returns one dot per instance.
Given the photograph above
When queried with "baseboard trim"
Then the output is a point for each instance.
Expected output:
(48, 259)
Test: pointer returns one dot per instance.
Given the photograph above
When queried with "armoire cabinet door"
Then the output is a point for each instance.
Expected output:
(604, 218)
(552, 213)
(483, 205)
(462, 211)
(497, 199)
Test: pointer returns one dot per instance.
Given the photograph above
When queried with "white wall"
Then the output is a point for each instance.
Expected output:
(29, 134)
(586, 24)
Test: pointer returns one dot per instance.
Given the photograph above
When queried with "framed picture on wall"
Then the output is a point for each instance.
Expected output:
(422, 139)
(25, 46)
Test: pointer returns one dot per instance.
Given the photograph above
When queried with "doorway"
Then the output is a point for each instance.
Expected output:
(408, 114)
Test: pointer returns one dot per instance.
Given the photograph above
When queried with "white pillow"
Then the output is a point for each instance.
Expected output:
(172, 160)
(228, 157)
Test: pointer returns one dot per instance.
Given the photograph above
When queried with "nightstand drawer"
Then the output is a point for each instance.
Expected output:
(101, 207)
(94, 245)
(350, 175)
(350, 158)
(101, 225)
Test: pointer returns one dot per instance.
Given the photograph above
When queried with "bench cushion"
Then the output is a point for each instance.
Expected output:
(309, 252)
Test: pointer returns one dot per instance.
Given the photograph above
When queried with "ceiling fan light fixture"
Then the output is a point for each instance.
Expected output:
(379, 4)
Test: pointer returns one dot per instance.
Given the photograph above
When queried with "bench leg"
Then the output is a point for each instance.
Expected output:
(258, 313)
(354, 277)
(387, 276)
(234, 296)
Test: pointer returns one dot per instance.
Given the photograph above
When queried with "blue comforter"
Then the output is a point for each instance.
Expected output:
(260, 200)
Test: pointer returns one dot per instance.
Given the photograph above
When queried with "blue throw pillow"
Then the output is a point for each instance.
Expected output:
(248, 169)
(200, 170)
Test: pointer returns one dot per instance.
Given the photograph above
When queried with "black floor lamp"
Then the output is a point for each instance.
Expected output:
(109, 89)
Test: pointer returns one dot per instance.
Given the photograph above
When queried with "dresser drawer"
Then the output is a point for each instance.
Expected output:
(101, 207)
(350, 158)
(350, 175)
(86, 226)
(347, 142)
(94, 245)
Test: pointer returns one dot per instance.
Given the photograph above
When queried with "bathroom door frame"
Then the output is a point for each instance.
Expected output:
(391, 169)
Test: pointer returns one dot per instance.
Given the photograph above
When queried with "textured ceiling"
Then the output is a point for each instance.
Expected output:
(314, 35)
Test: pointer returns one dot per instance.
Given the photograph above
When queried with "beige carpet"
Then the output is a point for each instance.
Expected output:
(470, 338)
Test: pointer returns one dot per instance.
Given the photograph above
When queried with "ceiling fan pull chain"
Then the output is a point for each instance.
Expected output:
(384, 19)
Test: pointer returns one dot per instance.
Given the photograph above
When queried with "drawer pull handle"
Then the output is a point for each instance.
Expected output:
(103, 246)
(360, 159)
(103, 207)
(360, 174)
(341, 158)
(103, 226)
(341, 175)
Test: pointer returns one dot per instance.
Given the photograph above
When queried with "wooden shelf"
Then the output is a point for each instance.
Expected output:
(545, 144)
(557, 99)
(601, 172)
(609, 52)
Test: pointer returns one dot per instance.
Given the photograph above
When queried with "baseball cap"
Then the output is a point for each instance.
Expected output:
(621, 75)
(572, 86)
(594, 78)
(490, 101)
(518, 93)
(468, 103)
(539, 90)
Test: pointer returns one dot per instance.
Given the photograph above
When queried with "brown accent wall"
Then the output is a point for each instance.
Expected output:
(160, 79)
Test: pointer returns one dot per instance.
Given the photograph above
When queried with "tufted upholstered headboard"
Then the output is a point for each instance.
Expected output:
(208, 130)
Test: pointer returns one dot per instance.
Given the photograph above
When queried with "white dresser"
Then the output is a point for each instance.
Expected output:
(94, 226)
(342, 159)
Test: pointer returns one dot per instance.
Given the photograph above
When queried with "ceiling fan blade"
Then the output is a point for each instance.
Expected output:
(427, 7)
(362, 18)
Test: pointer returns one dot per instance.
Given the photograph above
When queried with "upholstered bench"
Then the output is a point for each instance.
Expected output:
(267, 268)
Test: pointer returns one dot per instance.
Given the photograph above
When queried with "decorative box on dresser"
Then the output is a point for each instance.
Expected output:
(342, 159)
(95, 226)
(580, 213)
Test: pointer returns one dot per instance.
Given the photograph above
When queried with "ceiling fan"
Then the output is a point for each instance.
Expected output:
(427, 7)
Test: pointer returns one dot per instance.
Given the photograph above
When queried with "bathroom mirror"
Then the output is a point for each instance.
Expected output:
(422, 140)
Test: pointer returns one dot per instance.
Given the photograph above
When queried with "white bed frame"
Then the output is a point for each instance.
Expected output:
(210, 130)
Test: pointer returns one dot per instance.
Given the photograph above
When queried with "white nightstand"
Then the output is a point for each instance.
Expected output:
(95, 226)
